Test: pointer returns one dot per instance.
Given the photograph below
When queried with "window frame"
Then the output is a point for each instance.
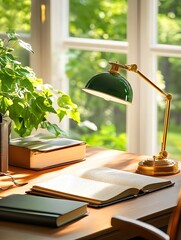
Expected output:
(50, 41)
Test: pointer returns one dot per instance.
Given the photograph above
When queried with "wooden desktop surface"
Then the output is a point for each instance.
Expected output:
(154, 208)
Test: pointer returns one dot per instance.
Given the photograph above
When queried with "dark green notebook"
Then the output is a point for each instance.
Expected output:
(40, 210)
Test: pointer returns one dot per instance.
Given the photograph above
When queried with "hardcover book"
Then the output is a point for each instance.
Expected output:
(40, 210)
(39, 152)
(100, 186)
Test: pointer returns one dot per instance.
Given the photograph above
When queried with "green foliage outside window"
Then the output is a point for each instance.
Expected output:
(97, 20)
(107, 20)
(15, 14)
(169, 32)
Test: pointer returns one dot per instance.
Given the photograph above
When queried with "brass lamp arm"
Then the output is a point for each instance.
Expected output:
(168, 97)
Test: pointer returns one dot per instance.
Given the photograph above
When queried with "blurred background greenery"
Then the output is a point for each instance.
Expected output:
(104, 123)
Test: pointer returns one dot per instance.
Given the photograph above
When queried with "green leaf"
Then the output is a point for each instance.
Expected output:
(61, 114)
(67, 107)
(24, 97)
(74, 114)
(43, 104)
(5, 103)
(9, 71)
(22, 71)
(53, 128)
(15, 110)
(25, 45)
(12, 35)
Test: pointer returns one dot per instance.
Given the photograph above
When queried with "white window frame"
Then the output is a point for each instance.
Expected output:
(141, 117)
(50, 41)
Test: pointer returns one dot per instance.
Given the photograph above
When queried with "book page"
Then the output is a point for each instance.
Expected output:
(84, 189)
(114, 176)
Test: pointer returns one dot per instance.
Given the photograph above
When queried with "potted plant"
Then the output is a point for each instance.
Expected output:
(24, 98)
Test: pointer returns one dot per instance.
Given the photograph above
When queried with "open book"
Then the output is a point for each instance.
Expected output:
(100, 186)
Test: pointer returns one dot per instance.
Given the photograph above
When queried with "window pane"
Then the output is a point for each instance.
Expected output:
(103, 122)
(169, 73)
(169, 22)
(16, 15)
(98, 19)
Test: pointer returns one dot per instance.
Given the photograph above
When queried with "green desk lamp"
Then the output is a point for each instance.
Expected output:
(113, 87)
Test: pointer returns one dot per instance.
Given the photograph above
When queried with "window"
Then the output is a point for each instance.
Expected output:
(16, 15)
(79, 37)
(137, 42)
(169, 65)
(103, 123)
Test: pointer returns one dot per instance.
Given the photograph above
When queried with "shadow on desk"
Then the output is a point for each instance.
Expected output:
(152, 209)
(130, 229)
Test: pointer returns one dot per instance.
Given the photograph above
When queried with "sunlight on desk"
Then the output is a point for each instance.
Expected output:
(152, 208)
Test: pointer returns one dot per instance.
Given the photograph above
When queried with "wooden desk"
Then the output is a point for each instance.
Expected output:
(154, 208)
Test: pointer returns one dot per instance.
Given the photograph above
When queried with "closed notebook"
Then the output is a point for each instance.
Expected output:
(40, 210)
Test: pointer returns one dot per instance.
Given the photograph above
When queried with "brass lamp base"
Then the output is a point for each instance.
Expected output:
(158, 167)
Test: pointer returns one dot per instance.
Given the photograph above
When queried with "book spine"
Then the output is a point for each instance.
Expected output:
(28, 217)
(19, 156)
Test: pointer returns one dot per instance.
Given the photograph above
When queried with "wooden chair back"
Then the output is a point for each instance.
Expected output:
(174, 227)
(136, 229)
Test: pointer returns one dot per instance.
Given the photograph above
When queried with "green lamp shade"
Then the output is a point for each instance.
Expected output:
(111, 87)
